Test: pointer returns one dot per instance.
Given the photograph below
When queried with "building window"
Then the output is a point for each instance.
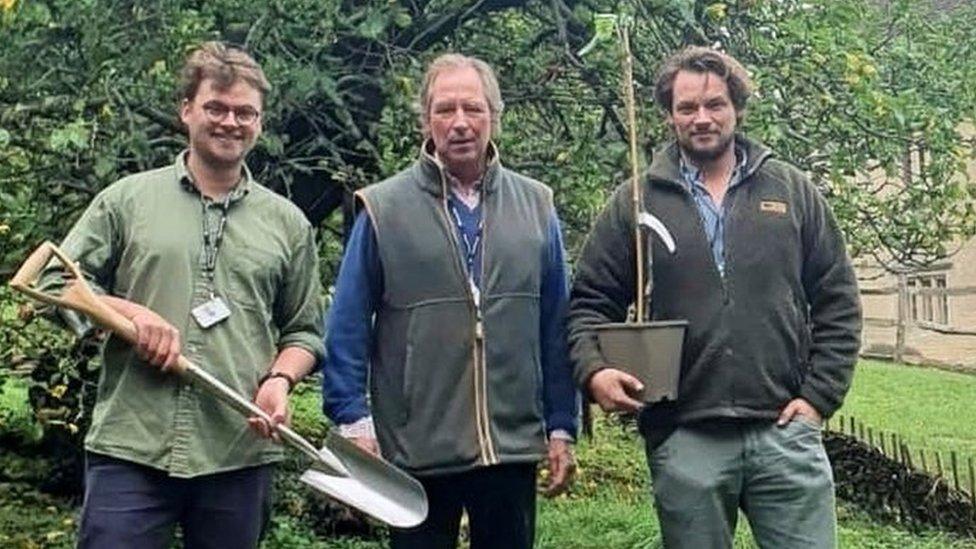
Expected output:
(928, 299)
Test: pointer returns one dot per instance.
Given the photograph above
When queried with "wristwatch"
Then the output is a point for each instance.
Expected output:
(291, 381)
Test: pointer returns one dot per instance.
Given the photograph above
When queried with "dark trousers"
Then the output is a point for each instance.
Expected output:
(128, 505)
(500, 501)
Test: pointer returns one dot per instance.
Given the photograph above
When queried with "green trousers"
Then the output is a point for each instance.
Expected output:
(778, 476)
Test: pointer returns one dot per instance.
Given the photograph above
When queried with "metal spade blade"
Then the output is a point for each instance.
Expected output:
(373, 486)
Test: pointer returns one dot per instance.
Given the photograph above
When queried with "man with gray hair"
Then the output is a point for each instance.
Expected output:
(207, 263)
(762, 277)
(451, 301)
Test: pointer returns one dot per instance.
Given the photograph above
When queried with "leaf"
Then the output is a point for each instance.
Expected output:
(273, 144)
(104, 167)
(716, 11)
(374, 25)
(402, 18)
(73, 137)
(687, 10)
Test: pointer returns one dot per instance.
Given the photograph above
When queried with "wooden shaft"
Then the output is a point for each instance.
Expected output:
(955, 469)
(631, 106)
(972, 485)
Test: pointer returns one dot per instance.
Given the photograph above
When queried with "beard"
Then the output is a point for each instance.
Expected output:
(213, 153)
(700, 155)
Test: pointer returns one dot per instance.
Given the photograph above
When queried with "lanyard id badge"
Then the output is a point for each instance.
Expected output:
(211, 312)
(470, 253)
(214, 310)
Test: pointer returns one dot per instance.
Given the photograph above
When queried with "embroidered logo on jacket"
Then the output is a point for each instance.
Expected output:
(773, 207)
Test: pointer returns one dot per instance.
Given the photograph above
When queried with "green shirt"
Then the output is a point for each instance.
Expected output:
(142, 239)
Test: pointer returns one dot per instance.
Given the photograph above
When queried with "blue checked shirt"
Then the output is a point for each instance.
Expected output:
(712, 215)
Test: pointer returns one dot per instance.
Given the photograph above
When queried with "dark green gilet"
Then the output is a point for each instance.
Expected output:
(443, 399)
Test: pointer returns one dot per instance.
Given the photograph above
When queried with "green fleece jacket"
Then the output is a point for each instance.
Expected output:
(783, 322)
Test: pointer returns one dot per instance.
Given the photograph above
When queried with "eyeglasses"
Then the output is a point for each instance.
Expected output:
(217, 112)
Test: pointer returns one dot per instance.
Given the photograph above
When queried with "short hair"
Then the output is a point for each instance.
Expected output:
(225, 65)
(700, 59)
(489, 82)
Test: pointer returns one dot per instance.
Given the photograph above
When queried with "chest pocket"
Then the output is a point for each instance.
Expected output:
(766, 231)
(252, 275)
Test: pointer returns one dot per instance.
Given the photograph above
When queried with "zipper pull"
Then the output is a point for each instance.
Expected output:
(479, 330)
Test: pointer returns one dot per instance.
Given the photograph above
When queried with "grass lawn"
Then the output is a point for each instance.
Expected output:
(609, 506)
(931, 410)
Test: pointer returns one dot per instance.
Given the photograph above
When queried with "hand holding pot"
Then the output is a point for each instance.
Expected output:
(615, 390)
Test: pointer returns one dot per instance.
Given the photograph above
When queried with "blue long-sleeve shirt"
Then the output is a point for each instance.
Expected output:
(359, 289)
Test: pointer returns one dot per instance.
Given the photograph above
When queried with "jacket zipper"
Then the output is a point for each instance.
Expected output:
(727, 206)
(690, 198)
(480, 337)
(485, 446)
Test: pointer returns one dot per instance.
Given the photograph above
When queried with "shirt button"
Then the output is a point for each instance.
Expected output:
(728, 351)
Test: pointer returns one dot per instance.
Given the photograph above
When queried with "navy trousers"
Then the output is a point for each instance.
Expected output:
(128, 505)
(499, 499)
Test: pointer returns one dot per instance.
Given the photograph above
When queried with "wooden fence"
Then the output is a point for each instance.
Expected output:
(958, 472)
(904, 293)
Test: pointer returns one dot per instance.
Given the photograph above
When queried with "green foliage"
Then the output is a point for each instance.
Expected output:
(16, 416)
(31, 520)
(847, 90)
(54, 367)
(94, 99)
(286, 532)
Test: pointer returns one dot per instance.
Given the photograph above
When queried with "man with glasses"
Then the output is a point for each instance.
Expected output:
(206, 263)
(451, 301)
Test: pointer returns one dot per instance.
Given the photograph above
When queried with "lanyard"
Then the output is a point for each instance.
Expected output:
(213, 235)
(470, 248)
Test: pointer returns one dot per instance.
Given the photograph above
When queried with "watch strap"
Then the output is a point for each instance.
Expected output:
(272, 374)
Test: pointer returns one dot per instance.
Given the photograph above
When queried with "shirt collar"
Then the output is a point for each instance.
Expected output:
(454, 182)
(185, 178)
(692, 175)
(433, 168)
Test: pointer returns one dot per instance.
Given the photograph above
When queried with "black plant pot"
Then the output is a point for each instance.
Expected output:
(650, 351)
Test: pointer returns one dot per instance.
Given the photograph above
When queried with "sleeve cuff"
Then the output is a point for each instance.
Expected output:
(308, 342)
(562, 434)
(361, 428)
(589, 362)
(825, 406)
